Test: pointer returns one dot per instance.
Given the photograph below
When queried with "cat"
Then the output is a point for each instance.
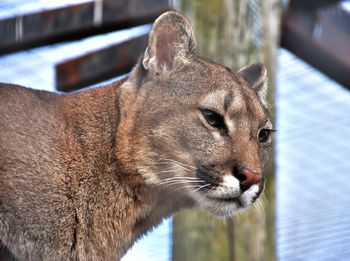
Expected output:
(84, 175)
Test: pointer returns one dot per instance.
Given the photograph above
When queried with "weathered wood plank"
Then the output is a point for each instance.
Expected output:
(7, 31)
(124, 10)
(58, 21)
(320, 36)
(41, 27)
(92, 67)
(75, 21)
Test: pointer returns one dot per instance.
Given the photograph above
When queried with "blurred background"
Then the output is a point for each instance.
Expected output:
(69, 45)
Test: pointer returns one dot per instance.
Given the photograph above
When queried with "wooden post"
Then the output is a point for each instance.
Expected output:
(234, 33)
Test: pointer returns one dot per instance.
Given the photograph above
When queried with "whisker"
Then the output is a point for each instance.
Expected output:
(166, 184)
(176, 164)
(184, 187)
(183, 177)
(179, 163)
(206, 194)
(170, 171)
(204, 186)
(180, 179)
(260, 210)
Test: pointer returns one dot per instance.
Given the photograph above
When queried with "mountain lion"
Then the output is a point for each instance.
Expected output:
(83, 175)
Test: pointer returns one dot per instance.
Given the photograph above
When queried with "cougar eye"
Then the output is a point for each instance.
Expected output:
(214, 119)
(264, 135)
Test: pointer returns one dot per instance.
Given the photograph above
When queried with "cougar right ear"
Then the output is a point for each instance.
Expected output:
(256, 76)
(171, 41)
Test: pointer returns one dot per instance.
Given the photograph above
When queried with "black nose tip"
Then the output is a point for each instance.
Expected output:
(248, 178)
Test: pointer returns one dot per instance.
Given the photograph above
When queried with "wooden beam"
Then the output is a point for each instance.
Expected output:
(125, 10)
(320, 36)
(99, 65)
(75, 21)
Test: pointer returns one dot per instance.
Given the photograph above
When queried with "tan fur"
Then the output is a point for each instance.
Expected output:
(83, 175)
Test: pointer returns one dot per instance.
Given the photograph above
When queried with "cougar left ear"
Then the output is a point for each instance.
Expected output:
(171, 41)
(256, 76)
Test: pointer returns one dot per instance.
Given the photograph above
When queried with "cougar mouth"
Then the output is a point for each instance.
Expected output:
(226, 204)
(229, 189)
(224, 199)
(248, 197)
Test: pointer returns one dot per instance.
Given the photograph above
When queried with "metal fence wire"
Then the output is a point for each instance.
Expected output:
(313, 166)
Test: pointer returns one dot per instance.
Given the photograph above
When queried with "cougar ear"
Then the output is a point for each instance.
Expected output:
(170, 41)
(256, 76)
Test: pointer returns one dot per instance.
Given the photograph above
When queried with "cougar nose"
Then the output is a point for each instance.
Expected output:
(247, 178)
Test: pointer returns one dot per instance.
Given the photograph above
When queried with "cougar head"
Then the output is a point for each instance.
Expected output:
(194, 126)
